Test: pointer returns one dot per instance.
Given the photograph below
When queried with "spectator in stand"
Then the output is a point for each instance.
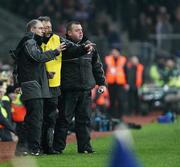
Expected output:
(163, 29)
(176, 31)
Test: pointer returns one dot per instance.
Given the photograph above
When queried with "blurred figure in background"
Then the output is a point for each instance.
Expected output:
(176, 31)
(163, 29)
(157, 73)
(18, 113)
(172, 73)
(6, 126)
(100, 100)
(100, 104)
(135, 80)
(116, 76)
(172, 80)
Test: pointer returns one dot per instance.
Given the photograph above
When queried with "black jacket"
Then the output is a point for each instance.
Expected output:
(81, 73)
(31, 71)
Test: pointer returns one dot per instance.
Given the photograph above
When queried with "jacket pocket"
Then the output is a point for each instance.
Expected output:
(31, 90)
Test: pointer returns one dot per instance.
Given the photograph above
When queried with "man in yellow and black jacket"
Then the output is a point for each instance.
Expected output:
(53, 68)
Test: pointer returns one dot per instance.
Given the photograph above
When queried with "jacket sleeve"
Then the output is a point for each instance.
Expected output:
(97, 68)
(6, 123)
(72, 50)
(35, 53)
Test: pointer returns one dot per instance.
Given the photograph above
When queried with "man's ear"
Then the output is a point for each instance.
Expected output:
(69, 33)
(32, 29)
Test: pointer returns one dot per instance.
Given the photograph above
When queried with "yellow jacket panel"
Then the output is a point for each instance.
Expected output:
(53, 66)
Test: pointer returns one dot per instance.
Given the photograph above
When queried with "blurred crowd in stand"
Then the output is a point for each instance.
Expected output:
(105, 21)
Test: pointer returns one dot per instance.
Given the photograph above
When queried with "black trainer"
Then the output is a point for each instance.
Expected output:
(35, 153)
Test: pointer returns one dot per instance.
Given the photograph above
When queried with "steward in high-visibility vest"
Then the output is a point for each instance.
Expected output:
(116, 77)
(135, 72)
(5, 122)
(138, 74)
(115, 72)
(156, 76)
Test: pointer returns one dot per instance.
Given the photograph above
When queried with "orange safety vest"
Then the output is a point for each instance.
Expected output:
(115, 70)
(18, 110)
(139, 74)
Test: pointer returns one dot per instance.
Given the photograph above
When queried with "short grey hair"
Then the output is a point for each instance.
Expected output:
(44, 18)
(31, 24)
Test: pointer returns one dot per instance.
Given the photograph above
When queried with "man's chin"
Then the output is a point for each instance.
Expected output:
(49, 34)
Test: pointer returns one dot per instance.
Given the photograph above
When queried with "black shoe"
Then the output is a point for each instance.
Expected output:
(52, 152)
(87, 151)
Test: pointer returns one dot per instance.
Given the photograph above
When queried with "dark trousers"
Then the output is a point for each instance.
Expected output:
(49, 121)
(32, 124)
(78, 104)
(118, 100)
(5, 135)
(22, 136)
(133, 101)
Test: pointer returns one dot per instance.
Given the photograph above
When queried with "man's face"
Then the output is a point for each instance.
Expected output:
(134, 60)
(76, 32)
(47, 28)
(115, 53)
(38, 29)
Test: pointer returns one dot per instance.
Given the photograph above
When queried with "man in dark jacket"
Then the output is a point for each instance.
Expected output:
(33, 81)
(53, 68)
(78, 77)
